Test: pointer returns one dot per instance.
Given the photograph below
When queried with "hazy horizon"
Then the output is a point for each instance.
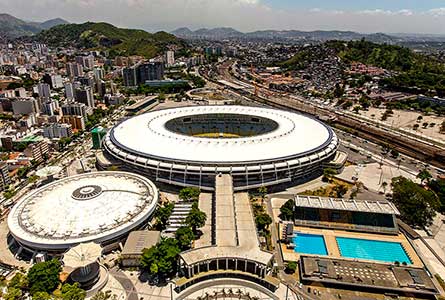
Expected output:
(395, 16)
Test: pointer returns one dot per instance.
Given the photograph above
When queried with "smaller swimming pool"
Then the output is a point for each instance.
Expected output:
(373, 250)
(309, 244)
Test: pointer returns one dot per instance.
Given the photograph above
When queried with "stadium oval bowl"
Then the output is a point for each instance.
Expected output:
(190, 146)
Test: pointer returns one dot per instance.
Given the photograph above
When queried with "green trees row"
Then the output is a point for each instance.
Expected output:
(43, 283)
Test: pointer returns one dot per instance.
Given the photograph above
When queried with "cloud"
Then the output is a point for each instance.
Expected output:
(245, 15)
(437, 12)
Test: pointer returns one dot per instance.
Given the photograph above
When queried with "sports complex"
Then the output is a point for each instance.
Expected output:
(190, 146)
(100, 207)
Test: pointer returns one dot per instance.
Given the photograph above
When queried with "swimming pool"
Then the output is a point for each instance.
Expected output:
(372, 250)
(309, 244)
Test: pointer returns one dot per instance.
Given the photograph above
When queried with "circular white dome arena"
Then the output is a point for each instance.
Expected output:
(93, 207)
(189, 146)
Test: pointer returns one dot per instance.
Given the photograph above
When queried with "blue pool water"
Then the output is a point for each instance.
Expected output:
(309, 244)
(372, 250)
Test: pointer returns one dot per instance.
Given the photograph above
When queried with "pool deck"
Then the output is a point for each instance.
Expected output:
(332, 247)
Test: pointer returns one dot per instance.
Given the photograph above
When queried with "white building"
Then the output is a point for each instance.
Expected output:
(170, 58)
(100, 207)
(44, 90)
(57, 81)
(56, 130)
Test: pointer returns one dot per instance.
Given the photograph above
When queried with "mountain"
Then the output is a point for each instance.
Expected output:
(279, 35)
(53, 22)
(204, 33)
(12, 27)
(104, 36)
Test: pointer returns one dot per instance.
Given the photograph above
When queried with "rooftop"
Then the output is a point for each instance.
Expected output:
(294, 136)
(82, 208)
(371, 206)
(140, 240)
(370, 275)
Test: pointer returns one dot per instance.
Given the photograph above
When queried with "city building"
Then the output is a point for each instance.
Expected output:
(5, 180)
(24, 106)
(170, 58)
(69, 90)
(222, 139)
(142, 72)
(76, 122)
(55, 217)
(37, 151)
(98, 134)
(74, 70)
(56, 130)
(85, 95)
(44, 90)
(76, 109)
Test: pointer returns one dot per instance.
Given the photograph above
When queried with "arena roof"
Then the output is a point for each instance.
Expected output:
(371, 206)
(95, 206)
(147, 136)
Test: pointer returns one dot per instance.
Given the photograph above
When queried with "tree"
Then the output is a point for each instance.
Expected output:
(72, 292)
(417, 206)
(104, 296)
(395, 153)
(161, 259)
(262, 221)
(424, 175)
(163, 214)
(287, 210)
(340, 190)
(189, 194)
(328, 173)
(419, 118)
(44, 276)
(262, 190)
(13, 294)
(184, 235)
(41, 296)
(442, 127)
(196, 218)
(291, 267)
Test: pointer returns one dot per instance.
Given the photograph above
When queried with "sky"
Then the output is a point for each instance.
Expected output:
(388, 16)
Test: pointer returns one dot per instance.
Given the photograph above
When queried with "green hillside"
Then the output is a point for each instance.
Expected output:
(106, 36)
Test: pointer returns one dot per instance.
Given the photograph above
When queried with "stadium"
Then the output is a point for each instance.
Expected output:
(190, 146)
(100, 207)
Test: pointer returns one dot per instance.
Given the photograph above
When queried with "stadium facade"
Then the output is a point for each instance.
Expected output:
(190, 146)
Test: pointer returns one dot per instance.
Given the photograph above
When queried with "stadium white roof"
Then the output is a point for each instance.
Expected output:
(95, 207)
(146, 135)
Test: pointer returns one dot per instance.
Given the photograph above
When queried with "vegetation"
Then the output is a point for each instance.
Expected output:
(104, 36)
(291, 267)
(287, 210)
(72, 292)
(189, 194)
(44, 276)
(328, 174)
(438, 187)
(185, 236)
(196, 218)
(263, 221)
(424, 175)
(417, 206)
(162, 214)
(104, 296)
(161, 259)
